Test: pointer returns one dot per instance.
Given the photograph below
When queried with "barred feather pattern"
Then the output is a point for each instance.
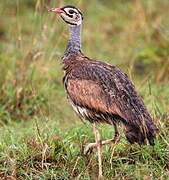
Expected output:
(99, 92)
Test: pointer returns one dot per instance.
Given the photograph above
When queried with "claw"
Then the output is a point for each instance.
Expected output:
(89, 147)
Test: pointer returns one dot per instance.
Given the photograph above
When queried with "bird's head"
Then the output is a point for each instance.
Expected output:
(70, 14)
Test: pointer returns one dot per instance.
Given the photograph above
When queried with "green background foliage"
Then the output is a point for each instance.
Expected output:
(41, 137)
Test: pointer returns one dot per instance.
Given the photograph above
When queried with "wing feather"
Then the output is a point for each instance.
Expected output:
(105, 88)
(107, 92)
(87, 93)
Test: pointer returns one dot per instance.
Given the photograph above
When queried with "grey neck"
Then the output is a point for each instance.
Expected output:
(74, 44)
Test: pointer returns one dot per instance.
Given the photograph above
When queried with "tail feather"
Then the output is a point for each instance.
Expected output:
(139, 134)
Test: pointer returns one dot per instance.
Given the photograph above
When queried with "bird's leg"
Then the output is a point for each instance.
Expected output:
(115, 139)
(98, 142)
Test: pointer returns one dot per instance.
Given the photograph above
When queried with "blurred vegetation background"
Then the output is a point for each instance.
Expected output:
(41, 137)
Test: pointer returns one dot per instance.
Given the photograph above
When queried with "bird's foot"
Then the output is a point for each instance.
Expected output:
(89, 147)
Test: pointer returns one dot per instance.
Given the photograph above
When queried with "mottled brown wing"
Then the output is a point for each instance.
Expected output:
(88, 94)
(105, 88)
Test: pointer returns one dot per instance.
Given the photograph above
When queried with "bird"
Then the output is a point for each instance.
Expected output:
(101, 93)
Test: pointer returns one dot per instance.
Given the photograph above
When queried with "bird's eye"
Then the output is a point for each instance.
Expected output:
(71, 11)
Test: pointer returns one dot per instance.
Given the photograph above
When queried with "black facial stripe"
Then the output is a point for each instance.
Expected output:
(70, 6)
(68, 14)
(68, 21)
(71, 16)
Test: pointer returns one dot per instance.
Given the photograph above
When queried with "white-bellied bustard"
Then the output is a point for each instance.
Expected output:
(99, 92)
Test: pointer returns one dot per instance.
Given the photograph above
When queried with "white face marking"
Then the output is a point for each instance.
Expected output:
(70, 9)
(72, 16)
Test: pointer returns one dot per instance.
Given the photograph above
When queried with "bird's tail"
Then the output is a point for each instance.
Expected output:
(139, 133)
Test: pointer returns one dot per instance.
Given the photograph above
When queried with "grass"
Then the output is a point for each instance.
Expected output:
(34, 151)
(41, 137)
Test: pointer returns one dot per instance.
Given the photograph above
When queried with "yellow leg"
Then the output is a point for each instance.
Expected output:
(98, 142)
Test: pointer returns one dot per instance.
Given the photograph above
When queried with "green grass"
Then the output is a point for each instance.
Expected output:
(42, 151)
(41, 137)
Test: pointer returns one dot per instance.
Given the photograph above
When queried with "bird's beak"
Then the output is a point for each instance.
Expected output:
(56, 10)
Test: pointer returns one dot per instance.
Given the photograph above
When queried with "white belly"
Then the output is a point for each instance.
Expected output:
(79, 110)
